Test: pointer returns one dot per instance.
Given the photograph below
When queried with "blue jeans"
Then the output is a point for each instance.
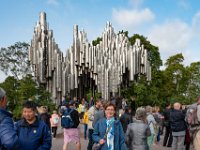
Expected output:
(85, 131)
(91, 142)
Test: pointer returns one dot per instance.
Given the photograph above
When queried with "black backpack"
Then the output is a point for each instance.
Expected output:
(66, 120)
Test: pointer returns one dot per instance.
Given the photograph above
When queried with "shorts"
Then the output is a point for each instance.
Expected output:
(71, 135)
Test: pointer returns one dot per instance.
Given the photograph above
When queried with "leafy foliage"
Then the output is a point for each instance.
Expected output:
(97, 41)
(124, 32)
(146, 92)
(90, 94)
(19, 91)
(14, 59)
(193, 84)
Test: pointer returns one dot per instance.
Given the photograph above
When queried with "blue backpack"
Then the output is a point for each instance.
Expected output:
(66, 120)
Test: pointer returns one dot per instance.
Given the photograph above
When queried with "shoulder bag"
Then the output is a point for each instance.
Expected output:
(97, 146)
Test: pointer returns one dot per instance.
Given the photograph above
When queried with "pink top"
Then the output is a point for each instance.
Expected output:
(54, 120)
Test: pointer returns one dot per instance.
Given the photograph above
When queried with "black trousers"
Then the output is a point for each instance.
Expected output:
(168, 137)
(91, 142)
(54, 131)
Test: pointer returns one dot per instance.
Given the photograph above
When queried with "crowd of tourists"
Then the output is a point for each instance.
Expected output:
(108, 125)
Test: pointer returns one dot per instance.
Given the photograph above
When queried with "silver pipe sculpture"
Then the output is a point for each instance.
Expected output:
(102, 68)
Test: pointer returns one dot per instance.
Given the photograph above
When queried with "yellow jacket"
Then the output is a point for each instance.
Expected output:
(85, 118)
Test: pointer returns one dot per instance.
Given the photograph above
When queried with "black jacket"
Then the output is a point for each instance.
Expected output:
(125, 119)
(166, 115)
(177, 121)
(46, 118)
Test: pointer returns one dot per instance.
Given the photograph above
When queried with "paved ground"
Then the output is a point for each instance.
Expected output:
(58, 142)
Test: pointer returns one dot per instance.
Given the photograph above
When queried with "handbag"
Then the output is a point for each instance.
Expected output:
(97, 146)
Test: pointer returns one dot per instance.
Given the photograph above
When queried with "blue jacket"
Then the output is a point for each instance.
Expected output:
(100, 130)
(8, 136)
(34, 136)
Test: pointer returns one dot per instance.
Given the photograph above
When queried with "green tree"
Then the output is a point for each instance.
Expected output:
(193, 86)
(10, 86)
(14, 59)
(27, 88)
(97, 41)
(19, 91)
(176, 78)
(124, 32)
(146, 92)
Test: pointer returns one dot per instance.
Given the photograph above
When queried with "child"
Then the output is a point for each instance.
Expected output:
(85, 122)
(54, 123)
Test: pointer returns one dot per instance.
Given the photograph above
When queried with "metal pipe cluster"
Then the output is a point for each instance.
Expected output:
(101, 67)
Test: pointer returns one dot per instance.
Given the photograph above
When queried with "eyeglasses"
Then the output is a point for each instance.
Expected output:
(110, 109)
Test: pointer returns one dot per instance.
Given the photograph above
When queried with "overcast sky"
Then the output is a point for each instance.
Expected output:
(172, 25)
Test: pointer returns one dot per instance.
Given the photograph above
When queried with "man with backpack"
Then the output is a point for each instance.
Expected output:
(70, 122)
(8, 136)
(193, 120)
(197, 137)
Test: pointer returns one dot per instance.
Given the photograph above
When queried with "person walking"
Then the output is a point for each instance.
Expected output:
(81, 109)
(152, 124)
(138, 131)
(54, 123)
(33, 133)
(114, 138)
(71, 134)
(8, 136)
(85, 122)
(125, 119)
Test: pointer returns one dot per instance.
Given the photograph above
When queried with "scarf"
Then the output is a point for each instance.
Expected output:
(110, 135)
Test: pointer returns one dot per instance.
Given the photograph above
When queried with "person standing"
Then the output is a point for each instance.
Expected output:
(168, 133)
(124, 104)
(85, 122)
(72, 134)
(8, 136)
(114, 140)
(125, 119)
(33, 133)
(178, 127)
(152, 123)
(91, 102)
(196, 141)
(91, 113)
(54, 122)
(138, 131)
(100, 114)
(81, 108)
(44, 115)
